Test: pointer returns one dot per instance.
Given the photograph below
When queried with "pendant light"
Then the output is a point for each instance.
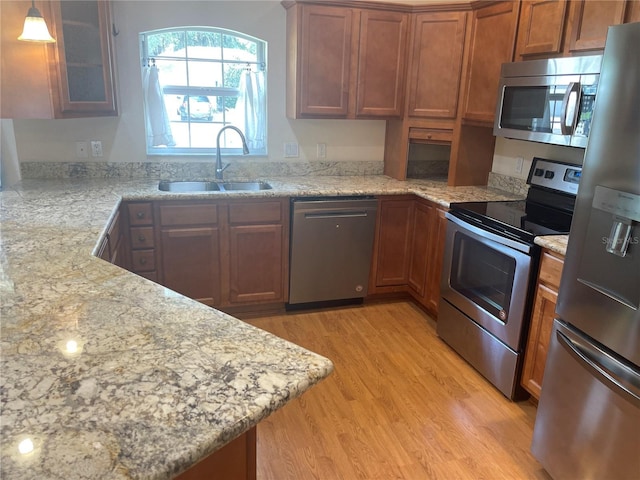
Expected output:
(35, 28)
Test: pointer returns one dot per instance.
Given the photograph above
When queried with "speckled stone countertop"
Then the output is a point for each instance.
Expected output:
(112, 376)
(555, 243)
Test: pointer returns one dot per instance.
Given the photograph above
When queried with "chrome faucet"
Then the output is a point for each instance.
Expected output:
(245, 150)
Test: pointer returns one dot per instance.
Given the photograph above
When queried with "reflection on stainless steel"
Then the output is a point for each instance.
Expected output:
(331, 247)
(588, 421)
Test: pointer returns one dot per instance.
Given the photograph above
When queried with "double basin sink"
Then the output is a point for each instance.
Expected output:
(209, 186)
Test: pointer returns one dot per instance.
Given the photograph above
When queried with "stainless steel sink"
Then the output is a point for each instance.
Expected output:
(253, 186)
(187, 186)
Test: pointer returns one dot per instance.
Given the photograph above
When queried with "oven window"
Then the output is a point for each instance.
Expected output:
(483, 275)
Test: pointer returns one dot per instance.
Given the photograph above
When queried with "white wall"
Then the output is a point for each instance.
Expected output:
(123, 136)
(507, 151)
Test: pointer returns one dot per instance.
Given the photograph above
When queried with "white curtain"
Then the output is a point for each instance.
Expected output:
(250, 106)
(155, 111)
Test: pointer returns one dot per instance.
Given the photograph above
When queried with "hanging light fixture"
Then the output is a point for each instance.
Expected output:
(35, 28)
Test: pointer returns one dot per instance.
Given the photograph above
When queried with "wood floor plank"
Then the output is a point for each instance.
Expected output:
(400, 404)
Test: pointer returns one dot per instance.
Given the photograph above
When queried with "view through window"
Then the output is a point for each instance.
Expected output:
(196, 81)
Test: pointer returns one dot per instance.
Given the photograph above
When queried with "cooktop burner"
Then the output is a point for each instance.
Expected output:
(547, 210)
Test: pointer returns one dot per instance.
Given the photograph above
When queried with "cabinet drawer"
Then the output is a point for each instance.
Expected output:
(143, 260)
(188, 214)
(142, 237)
(140, 214)
(428, 135)
(551, 269)
(255, 212)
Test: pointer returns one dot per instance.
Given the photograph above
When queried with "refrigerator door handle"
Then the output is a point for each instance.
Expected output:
(620, 378)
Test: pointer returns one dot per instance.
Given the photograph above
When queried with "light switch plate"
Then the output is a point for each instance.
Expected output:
(291, 150)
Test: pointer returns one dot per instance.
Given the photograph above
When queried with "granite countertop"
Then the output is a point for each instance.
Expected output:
(112, 376)
(555, 243)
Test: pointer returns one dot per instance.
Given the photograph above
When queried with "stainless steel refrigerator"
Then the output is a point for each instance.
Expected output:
(588, 420)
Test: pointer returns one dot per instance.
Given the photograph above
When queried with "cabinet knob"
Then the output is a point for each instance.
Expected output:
(141, 238)
(143, 261)
(140, 214)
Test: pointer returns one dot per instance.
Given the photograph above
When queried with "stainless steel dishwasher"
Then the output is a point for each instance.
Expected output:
(331, 247)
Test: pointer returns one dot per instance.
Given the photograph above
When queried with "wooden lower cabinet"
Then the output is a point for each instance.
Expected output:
(542, 316)
(408, 249)
(429, 229)
(234, 461)
(258, 249)
(224, 253)
(438, 235)
(392, 245)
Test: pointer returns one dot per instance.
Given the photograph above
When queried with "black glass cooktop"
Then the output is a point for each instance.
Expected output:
(519, 219)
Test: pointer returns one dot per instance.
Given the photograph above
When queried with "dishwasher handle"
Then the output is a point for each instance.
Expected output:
(321, 215)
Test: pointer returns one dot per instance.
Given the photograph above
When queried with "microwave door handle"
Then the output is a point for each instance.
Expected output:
(572, 90)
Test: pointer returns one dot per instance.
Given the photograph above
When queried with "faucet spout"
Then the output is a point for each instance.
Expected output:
(245, 150)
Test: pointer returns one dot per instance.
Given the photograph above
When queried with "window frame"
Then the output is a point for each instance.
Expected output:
(258, 65)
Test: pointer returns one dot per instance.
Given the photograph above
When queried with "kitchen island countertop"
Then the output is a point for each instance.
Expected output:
(111, 376)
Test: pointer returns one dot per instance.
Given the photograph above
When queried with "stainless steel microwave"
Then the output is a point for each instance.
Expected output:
(548, 101)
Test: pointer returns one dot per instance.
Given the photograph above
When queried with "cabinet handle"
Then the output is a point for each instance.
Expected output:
(140, 214)
(141, 238)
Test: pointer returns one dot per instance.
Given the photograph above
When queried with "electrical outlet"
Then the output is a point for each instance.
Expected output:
(291, 150)
(82, 150)
(321, 150)
(96, 148)
(519, 164)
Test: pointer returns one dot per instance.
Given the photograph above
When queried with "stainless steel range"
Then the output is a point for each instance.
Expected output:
(490, 263)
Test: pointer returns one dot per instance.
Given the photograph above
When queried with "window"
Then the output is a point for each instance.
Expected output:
(196, 81)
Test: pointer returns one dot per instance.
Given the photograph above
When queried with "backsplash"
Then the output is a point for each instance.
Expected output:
(196, 170)
(509, 184)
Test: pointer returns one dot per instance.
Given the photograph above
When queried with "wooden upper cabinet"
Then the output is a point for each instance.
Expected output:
(84, 66)
(436, 64)
(381, 64)
(589, 22)
(491, 43)
(323, 60)
(345, 62)
(541, 27)
(552, 28)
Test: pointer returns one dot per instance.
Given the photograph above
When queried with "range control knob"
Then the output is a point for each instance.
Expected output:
(549, 174)
(538, 172)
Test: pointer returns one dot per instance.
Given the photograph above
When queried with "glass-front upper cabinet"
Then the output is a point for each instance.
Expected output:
(84, 51)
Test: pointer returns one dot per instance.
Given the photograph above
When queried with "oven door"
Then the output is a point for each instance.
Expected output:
(487, 277)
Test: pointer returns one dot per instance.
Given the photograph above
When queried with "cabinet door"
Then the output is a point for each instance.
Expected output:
(393, 253)
(381, 64)
(436, 64)
(84, 71)
(589, 23)
(539, 338)
(437, 239)
(491, 44)
(420, 254)
(256, 264)
(324, 61)
(541, 27)
(190, 262)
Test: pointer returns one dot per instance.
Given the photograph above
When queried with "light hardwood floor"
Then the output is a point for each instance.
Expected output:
(400, 405)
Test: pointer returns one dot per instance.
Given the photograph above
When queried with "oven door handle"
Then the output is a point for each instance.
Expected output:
(521, 247)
